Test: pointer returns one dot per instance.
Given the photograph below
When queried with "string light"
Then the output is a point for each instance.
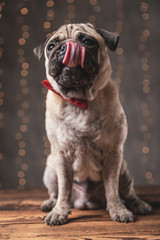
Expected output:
(96, 9)
(2, 40)
(145, 105)
(70, 12)
(24, 11)
(118, 73)
(24, 90)
(47, 25)
(2, 4)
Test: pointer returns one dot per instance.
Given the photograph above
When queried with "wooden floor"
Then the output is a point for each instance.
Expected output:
(20, 218)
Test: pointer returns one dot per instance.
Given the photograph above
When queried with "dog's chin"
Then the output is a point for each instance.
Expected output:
(71, 77)
(79, 92)
(72, 82)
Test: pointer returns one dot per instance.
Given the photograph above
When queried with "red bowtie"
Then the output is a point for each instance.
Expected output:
(79, 103)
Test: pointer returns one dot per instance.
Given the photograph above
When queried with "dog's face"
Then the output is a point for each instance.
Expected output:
(76, 59)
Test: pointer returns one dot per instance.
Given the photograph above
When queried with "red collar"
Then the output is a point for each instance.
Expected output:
(79, 103)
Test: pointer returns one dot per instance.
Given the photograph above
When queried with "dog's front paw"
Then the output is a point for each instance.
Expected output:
(55, 218)
(140, 207)
(122, 215)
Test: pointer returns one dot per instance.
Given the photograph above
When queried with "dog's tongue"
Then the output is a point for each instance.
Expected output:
(74, 55)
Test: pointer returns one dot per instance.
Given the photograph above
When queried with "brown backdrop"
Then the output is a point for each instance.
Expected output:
(23, 25)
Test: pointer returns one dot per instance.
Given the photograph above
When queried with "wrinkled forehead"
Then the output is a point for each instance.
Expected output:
(72, 31)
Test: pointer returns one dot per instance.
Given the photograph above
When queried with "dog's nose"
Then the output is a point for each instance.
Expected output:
(63, 49)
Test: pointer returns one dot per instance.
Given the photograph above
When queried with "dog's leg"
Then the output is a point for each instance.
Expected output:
(50, 181)
(111, 171)
(59, 214)
(128, 193)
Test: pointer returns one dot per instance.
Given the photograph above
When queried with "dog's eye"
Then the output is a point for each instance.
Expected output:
(50, 46)
(88, 41)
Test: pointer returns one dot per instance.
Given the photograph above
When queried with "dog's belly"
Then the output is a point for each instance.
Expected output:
(84, 175)
(85, 171)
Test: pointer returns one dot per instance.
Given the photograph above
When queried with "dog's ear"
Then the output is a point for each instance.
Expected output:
(38, 51)
(111, 39)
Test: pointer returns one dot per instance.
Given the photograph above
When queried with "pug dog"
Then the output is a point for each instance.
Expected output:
(86, 126)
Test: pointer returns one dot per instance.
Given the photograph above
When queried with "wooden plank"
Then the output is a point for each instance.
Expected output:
(20, 218)
(25, 225)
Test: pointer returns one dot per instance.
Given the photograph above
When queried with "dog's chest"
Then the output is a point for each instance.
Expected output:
(88, 148)
(82, 139)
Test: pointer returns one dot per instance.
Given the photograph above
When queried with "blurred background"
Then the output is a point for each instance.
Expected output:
(23, 25)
